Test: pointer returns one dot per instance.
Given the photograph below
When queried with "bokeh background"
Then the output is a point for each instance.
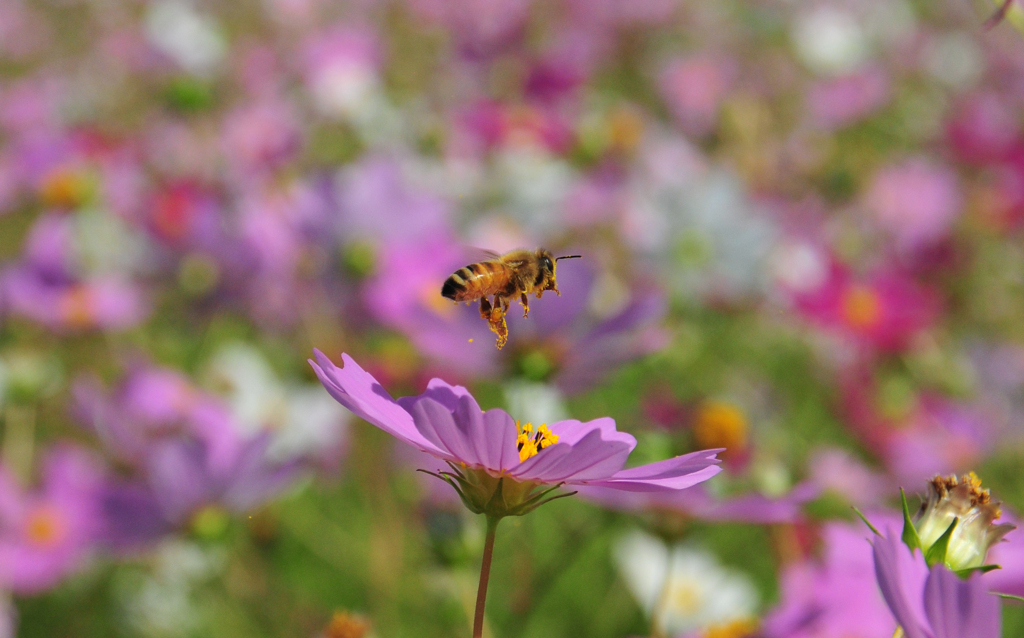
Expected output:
(802, 229)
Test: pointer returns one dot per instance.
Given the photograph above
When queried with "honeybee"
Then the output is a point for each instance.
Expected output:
(519, 272)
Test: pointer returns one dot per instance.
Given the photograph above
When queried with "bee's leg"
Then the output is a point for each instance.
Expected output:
(525, 301)
(496, 320)
(485, 308)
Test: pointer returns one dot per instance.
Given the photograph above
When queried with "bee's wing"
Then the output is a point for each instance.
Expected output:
(472, 254)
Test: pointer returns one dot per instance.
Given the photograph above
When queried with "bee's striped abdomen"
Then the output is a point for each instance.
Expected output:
(475, 281)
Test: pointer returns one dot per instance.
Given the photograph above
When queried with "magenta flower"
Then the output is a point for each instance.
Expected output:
(932, 603)
(47, 534)
(883, 312)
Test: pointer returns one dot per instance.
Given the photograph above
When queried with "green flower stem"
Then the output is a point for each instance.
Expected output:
(485, 574)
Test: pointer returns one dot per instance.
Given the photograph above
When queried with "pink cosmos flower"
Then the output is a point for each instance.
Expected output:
(1009, 555)
(915, 201)
(694, 89)
(883, 312)
(932, 603)
(341, 70)
(983, 129)
(835, 597)
(262, 135)
(185, 452)
(490, 125)
(480, 28)
(842, 101)
(930, 435)
(44, 285)
(447, 423)
(47, 533)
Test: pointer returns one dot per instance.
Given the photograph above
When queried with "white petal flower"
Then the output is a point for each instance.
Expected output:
(697, 592)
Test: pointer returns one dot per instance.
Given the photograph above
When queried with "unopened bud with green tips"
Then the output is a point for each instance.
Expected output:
(964, 502)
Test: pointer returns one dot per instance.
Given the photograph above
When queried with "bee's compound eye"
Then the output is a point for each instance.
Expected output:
(547, 264)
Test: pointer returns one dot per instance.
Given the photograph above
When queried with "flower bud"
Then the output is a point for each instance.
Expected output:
(972, 506)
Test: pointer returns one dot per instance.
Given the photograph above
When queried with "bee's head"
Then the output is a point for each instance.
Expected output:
(547, 261)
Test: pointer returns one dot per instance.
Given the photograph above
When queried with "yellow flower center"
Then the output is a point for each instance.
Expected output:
(736, 629)
(76, 307)
(529, 442)
(64, 188)
(44, 527)
(346, 625)
(862, 307)
(720, 424)
(686, 598)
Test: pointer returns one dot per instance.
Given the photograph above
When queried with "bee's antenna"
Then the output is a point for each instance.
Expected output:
(569, 257)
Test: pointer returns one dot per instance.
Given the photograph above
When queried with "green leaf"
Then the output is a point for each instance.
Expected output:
(910, 537)
(981, 569)
(866, 521)
(937, 552)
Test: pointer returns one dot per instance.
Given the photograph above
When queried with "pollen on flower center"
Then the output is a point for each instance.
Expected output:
(44, 527)
(861, 307)
(529, 443)
(971, 506)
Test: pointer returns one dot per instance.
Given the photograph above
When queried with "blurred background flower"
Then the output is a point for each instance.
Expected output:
(801, 235)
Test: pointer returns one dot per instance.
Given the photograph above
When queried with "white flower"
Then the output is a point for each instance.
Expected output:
(829, 40)
(162, 601)
(955, 60)
(535, 402)
(344, 88)
(192, 40)
(302, 419)
(696, 594)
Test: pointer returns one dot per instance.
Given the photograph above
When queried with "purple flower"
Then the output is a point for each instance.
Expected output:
(932, 603)
(46, 286)
(47, 534)
(262, 135)
(835, 597)
(185, 451)
(447, 423)
(699, 503)
(1009, 555)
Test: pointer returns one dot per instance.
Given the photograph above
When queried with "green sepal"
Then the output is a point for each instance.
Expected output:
(536, 501)
(458, 486)
(937, 552)
(980, 569)
(866, 521)
(909, 536)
